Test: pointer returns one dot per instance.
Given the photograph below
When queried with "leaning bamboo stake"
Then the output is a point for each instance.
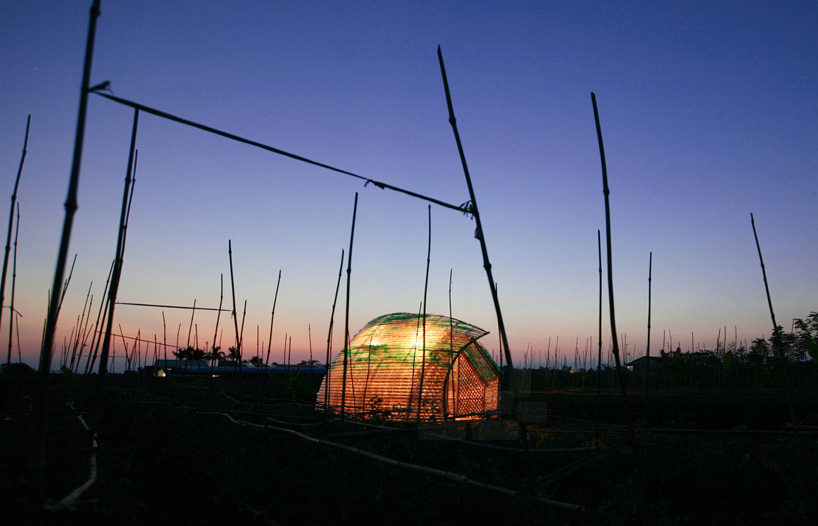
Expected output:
(120, 253)
(190, 327)
(79, 328)
(236, 321)
(776, 338)
(17, 330)
(12, 312)
(329, 332)
(241, 332)
(272, 319)
(38, 461)
(607, 192)
(619, 370)
(89, 362)
(65, 285)
(8, 237)
(85, 334)
(233, 288)
(471, 208)
(346, 320)
(214, 352)
(218, 316)
(425, 290)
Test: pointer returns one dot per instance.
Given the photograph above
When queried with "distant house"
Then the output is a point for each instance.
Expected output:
(162, 368)
(175, 367)
(403, 367)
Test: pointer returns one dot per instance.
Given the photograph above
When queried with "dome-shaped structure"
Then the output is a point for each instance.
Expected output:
(400, 368)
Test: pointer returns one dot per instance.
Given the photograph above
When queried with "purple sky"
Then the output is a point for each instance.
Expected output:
(708, 113)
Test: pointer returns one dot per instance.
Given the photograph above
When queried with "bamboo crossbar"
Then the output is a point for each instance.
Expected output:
(171, 306)
(231, 136)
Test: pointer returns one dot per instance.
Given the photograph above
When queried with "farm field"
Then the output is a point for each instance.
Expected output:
(255, 451)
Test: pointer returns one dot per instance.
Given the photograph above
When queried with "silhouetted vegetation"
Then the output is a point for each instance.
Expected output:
(170, 451)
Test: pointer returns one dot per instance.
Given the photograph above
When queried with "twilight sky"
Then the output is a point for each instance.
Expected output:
(708, 111)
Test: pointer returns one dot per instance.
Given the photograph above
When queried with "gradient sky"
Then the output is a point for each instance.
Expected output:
(708, 111)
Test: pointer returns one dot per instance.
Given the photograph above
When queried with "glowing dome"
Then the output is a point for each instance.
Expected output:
(400, 368)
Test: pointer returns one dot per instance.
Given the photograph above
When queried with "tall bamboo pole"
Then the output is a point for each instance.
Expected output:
(8, 237)
(89, 362)
(346, 320)
(327, 376)
(272, 319)
(776, 338)
(79, 328)
(120, 252)
(451, 353)
(190, 327)
(599, 337)
(236, 323)
(425, 290)
(215, 349)
(620, 372)
(472, 208)
(85, 334)
(38, 455)
(59, 271)
(12, 312)
(607, 192)
(647, 350)
(233, 288)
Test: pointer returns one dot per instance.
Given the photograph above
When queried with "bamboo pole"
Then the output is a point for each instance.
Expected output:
(241, 333)
(12, 312)
(89, 362)
(233, 137)
(346, 320)
(327, 376)
(38, 454)
(451, 352)
(85, 334)
(8, 237)
(599, 350)
(190, 327)
(647, 349)
(776, 337)
(215, 349)
(182, 307)
(272, 319)
(233, 288)
(425, 290)
(471, 208)
(79, 328)
(65, 286)
(607, 192)
(120, 252)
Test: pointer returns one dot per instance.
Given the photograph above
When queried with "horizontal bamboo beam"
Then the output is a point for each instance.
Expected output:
(170, 306)
(180, 120)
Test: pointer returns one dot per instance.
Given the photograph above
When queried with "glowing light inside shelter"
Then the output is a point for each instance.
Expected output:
(390, 376)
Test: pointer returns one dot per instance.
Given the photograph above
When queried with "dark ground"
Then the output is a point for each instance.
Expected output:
(168, 454)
